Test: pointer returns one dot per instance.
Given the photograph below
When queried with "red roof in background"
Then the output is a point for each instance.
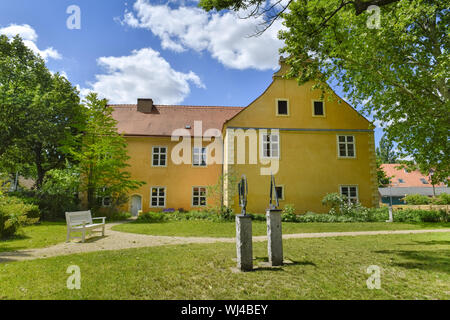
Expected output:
(409, 179)
(165, 119)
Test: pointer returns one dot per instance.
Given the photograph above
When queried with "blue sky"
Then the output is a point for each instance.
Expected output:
(169, 51)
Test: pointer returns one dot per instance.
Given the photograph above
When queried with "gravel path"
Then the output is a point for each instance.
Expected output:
(115, 240)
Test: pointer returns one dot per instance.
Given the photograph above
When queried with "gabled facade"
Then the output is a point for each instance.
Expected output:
(312, 146)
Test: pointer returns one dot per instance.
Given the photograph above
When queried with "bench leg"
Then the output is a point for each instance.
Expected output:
(103, 231)
(68, 235)
(83, 236)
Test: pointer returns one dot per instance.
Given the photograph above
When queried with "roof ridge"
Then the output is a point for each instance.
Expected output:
(174, 106)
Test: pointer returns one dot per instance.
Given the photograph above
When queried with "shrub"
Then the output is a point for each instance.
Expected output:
(152, 217)
(288, 214)
(14, 213)
(112, 214)
(58, 194)
(335, 201)
(417, 199)
(410, 215)
(442, 199)
(258, 217)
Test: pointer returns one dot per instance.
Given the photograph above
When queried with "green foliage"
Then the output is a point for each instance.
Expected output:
(398, 71)
(410, 215)
(288, 212)
(210, 215)
(216, 193)
(102, 156)
(385, 152)
(417, 199)
(442, 199)
(14, 213)
(382, 179)
(357, 214)
(335, 201)
(59, 194)
(39, 113)
(152, 217)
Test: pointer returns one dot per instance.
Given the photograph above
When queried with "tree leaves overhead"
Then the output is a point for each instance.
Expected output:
(39, 112)
(399, 71)
(102, 155)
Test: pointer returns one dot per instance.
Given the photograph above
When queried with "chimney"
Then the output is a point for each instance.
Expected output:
(145, 105)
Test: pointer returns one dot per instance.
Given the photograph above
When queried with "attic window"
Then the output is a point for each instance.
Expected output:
(282, 107)
(424, 181)
(318, 109)
(401, 181)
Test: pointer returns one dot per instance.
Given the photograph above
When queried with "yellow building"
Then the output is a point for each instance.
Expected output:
(312, 146)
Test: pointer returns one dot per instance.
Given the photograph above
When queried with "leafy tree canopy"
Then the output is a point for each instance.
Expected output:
(102, 155)
(399, 69)
(385, 152)
(39, 112)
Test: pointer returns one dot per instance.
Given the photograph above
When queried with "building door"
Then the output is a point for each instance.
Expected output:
(136, 205)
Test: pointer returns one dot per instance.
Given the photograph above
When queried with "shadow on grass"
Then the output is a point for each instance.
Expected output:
(262, 264)
(4, 242)
(436, 260)
(11, 254)
(433, 242)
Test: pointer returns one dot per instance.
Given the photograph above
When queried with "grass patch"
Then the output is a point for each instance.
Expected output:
(37, 236)
(413, 267)
(205, 228)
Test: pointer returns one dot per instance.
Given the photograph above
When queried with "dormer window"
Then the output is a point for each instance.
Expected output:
(282, 107)
(318, 109)
(424, 181)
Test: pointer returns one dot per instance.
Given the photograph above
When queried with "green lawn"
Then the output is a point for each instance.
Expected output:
(204, 228)
(412, 267)
(37, 236)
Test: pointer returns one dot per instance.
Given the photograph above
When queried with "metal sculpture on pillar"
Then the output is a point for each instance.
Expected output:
(274, 231)
(243, 192)
(272, 189)
(244, 245)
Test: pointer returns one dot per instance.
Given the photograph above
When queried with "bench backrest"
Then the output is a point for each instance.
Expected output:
(78, 217)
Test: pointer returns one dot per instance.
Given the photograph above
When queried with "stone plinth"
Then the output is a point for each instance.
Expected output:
(275, 237)
(244, 245)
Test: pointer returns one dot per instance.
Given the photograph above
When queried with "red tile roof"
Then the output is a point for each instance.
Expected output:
(409, 179)
(165, 119)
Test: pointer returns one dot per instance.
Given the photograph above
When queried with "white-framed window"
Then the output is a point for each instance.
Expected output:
(346, 146)
(318, 108)
(158, 197)
(199, 157)
(199, 196)
(280, 192)
(351, 192)
(270, 145)
(282, 107)
(159, 156)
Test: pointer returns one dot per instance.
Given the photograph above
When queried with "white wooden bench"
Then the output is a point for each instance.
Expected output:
(81, 221)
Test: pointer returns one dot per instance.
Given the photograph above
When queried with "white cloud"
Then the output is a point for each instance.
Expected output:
(143, 74)
(29, 36)
(227, 37)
